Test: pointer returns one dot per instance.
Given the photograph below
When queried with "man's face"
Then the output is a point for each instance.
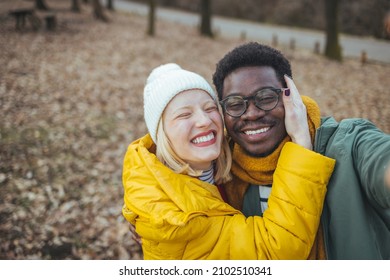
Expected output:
(258, 132)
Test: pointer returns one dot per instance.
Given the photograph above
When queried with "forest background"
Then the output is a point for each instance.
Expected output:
(356, 17)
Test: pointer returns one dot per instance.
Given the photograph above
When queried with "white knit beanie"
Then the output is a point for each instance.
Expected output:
(163, 84)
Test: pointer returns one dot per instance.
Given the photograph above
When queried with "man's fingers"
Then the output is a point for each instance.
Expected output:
(135, 236)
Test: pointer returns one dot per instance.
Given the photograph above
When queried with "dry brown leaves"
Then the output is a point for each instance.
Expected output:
(71, 102)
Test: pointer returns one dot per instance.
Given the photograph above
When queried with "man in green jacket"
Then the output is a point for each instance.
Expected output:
(356, 216)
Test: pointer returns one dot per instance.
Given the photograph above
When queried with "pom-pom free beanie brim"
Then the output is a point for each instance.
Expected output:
(162, 85)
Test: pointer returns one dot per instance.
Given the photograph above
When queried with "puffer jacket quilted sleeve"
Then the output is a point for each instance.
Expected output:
(180, 217)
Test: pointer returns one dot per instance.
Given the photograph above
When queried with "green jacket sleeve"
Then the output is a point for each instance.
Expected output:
(371, 153)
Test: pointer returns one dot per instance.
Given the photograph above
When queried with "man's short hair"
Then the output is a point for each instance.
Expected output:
(251, 54)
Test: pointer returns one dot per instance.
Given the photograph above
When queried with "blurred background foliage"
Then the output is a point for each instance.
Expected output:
(357, 17)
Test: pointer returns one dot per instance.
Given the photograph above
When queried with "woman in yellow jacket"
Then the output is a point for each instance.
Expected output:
(172, 180)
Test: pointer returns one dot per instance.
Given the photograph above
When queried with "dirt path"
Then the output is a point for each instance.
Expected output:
(353, 46)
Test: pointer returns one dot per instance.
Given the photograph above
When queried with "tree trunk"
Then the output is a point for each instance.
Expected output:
(151, 18)
(76, 7)
(98, 11)
(41, 5)
(205, 27)
(110, 5)
(332, 48)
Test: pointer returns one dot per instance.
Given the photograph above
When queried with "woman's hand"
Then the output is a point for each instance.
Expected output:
(296, 116)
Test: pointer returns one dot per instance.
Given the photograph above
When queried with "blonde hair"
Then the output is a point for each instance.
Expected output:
(166, 154)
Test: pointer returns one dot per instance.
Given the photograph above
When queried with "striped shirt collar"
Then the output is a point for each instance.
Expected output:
(208, 175)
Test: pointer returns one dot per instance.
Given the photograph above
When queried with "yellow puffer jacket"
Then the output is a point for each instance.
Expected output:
(180, 217)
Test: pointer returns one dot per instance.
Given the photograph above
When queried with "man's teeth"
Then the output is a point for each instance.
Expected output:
(203, 138)
(258, 131)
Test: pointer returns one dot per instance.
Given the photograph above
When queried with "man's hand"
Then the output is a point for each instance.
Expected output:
(134, 235)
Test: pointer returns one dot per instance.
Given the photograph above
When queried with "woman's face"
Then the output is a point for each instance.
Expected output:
(194, 127)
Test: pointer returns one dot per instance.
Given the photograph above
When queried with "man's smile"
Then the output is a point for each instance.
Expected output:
(257, 131)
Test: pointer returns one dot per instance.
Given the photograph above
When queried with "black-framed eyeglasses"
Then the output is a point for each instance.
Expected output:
(265, 99)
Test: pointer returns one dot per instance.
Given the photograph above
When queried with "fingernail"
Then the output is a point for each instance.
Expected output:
(287, 76)
(287, 92)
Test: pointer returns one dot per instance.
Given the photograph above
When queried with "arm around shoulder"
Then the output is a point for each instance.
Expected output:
(301, 177)
(296, 201)
(306, 163)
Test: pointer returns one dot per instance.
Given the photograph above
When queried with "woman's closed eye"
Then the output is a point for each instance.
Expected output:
(183, 115)
(211, 108)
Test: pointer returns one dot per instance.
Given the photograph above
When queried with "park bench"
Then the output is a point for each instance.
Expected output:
(22, 15)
